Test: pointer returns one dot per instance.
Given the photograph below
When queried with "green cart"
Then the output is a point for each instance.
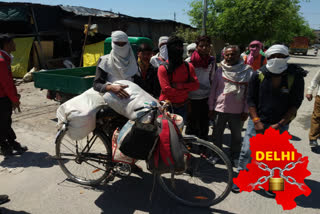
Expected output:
(63, 84)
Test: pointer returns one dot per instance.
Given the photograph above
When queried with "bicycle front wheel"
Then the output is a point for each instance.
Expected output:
(84, 161)
(202, 184)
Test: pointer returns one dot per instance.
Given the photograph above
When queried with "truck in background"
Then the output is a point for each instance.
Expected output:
(299, 44)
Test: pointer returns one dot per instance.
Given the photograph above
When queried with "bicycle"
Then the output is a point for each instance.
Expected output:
(89, 162)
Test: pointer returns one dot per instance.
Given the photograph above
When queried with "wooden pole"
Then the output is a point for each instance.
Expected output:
(85, 40)
(42, 65)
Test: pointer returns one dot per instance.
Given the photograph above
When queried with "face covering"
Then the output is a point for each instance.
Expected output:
(164, 52)
(123, 51)
(175, 58)
(277, 65)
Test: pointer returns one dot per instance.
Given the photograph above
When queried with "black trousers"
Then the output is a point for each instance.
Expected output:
(6, 132)
(198, 120)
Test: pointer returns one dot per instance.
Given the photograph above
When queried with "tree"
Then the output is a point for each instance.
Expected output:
(189, 35)
(241, 21)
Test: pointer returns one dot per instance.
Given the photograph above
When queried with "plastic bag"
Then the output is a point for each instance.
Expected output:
(138, 98)
(80, 113)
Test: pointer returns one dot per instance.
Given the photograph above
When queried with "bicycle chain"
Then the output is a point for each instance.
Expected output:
(288, 167)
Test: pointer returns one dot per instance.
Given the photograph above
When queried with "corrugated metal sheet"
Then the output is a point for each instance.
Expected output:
(83, 11)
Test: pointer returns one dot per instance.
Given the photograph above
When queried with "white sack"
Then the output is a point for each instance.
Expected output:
(80, 113)
(138, 98)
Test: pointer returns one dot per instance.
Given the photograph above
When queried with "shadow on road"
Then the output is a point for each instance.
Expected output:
(29, 159)
(316, 150)
(7, 211)
(306, 64)
(132, 193)
(312, 201)
(295, 138)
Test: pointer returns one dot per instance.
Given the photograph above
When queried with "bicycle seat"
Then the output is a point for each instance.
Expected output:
(106, 111)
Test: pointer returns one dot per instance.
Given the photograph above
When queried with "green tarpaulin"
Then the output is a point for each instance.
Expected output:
(16, 13)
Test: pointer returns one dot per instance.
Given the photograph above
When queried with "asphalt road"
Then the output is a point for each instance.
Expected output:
(36, 184)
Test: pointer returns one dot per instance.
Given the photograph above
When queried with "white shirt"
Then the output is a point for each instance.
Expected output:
(203, 75)
(314, 84)
(156, 61)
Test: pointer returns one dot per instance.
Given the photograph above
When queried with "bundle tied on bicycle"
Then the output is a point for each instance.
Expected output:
(159, 142)
(147, 137)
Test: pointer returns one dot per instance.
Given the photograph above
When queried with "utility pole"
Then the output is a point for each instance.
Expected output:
(204, 18)
(174, 16)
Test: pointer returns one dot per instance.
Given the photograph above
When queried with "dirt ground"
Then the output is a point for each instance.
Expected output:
(36, 184)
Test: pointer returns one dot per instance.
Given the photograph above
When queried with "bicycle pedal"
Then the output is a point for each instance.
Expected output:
(122, 169)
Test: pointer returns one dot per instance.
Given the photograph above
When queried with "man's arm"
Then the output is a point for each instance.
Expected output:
(295, 101)
(164, 81)
(100, 80)
(253, 101)
(213, 90)
(314, 83)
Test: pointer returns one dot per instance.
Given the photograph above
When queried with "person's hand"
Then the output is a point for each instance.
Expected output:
(244, 116)
(259, 127)
(275, 126)
(16, 105)
(212, 115)
(309, 97)
(118, 90)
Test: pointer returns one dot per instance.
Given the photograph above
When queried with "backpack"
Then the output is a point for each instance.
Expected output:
(139, 140)
(169, 153)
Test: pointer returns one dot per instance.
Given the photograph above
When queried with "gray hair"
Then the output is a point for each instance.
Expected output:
(233, 47)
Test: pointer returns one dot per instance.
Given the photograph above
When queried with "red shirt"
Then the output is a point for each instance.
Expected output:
(7, 87)
(178, 93)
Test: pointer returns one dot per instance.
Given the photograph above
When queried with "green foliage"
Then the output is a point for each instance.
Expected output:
(189, 35)
(241, 21)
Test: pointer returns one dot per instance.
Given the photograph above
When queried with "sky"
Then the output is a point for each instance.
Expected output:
(165, 9)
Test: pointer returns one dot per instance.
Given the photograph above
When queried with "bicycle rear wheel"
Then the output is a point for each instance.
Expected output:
(202, 184)
(84, 161)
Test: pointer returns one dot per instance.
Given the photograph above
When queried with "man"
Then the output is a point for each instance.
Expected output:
(162, 56)
(255, 59)
(4, 199)
(204, 64)
(190, 49)
(177, 78)
(275, 94)
(227, 101)
(9, 99)
(120, 64)
(148, 78)
(314, 133)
